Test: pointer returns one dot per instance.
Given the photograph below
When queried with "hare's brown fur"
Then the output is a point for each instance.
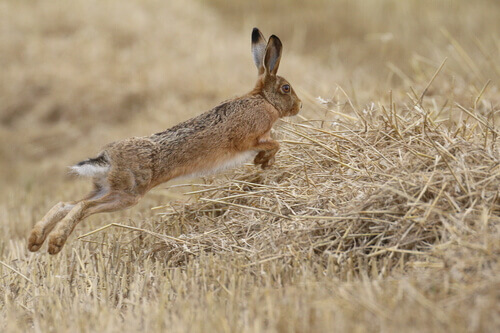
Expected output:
(126, 170)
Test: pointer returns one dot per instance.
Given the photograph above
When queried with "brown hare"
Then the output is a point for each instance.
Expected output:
(232, 132)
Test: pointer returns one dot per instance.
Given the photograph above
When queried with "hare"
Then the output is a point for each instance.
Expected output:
(232, 132)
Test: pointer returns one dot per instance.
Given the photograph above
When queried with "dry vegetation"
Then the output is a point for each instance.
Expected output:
(381, 214)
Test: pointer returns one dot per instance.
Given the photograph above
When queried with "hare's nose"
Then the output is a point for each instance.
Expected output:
(301, 105)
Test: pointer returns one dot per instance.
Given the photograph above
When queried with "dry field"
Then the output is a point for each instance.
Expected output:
(382, 212)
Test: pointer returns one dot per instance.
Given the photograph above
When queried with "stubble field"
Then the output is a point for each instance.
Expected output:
(382, 212)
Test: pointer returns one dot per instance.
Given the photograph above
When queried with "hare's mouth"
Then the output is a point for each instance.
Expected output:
(296, 109)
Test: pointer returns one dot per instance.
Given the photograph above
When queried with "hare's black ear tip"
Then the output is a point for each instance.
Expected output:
(255, 35)
(275, 39)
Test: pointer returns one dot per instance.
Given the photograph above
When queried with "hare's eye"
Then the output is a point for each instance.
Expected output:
(285, 88)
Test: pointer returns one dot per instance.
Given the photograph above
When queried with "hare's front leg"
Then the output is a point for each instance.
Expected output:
(267, 149)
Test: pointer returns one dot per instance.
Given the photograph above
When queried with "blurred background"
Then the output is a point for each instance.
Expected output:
(78, 74)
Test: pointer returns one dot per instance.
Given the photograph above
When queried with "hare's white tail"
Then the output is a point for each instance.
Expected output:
(92, 167)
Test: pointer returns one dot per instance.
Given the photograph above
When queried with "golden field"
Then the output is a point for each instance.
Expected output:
(382, 212)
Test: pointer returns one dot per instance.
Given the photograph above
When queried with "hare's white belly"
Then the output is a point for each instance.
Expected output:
(229, 163)
(236, 160)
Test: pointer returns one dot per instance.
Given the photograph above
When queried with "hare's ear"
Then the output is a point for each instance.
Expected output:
(273, 55)
(258, 49)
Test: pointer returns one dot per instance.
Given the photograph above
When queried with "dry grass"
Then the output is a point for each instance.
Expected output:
(381, 214)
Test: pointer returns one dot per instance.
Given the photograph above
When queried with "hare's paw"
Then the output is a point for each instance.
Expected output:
(59, 236)
(56, 242)
(268, 163)
(265, 159)
(261, 157)
(36, 239)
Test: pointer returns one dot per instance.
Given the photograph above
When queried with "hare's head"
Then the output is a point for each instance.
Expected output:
(275, 89)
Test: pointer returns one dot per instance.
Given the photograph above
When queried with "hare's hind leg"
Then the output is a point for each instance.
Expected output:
(43, 227)
(112, 201)
(47, 223)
